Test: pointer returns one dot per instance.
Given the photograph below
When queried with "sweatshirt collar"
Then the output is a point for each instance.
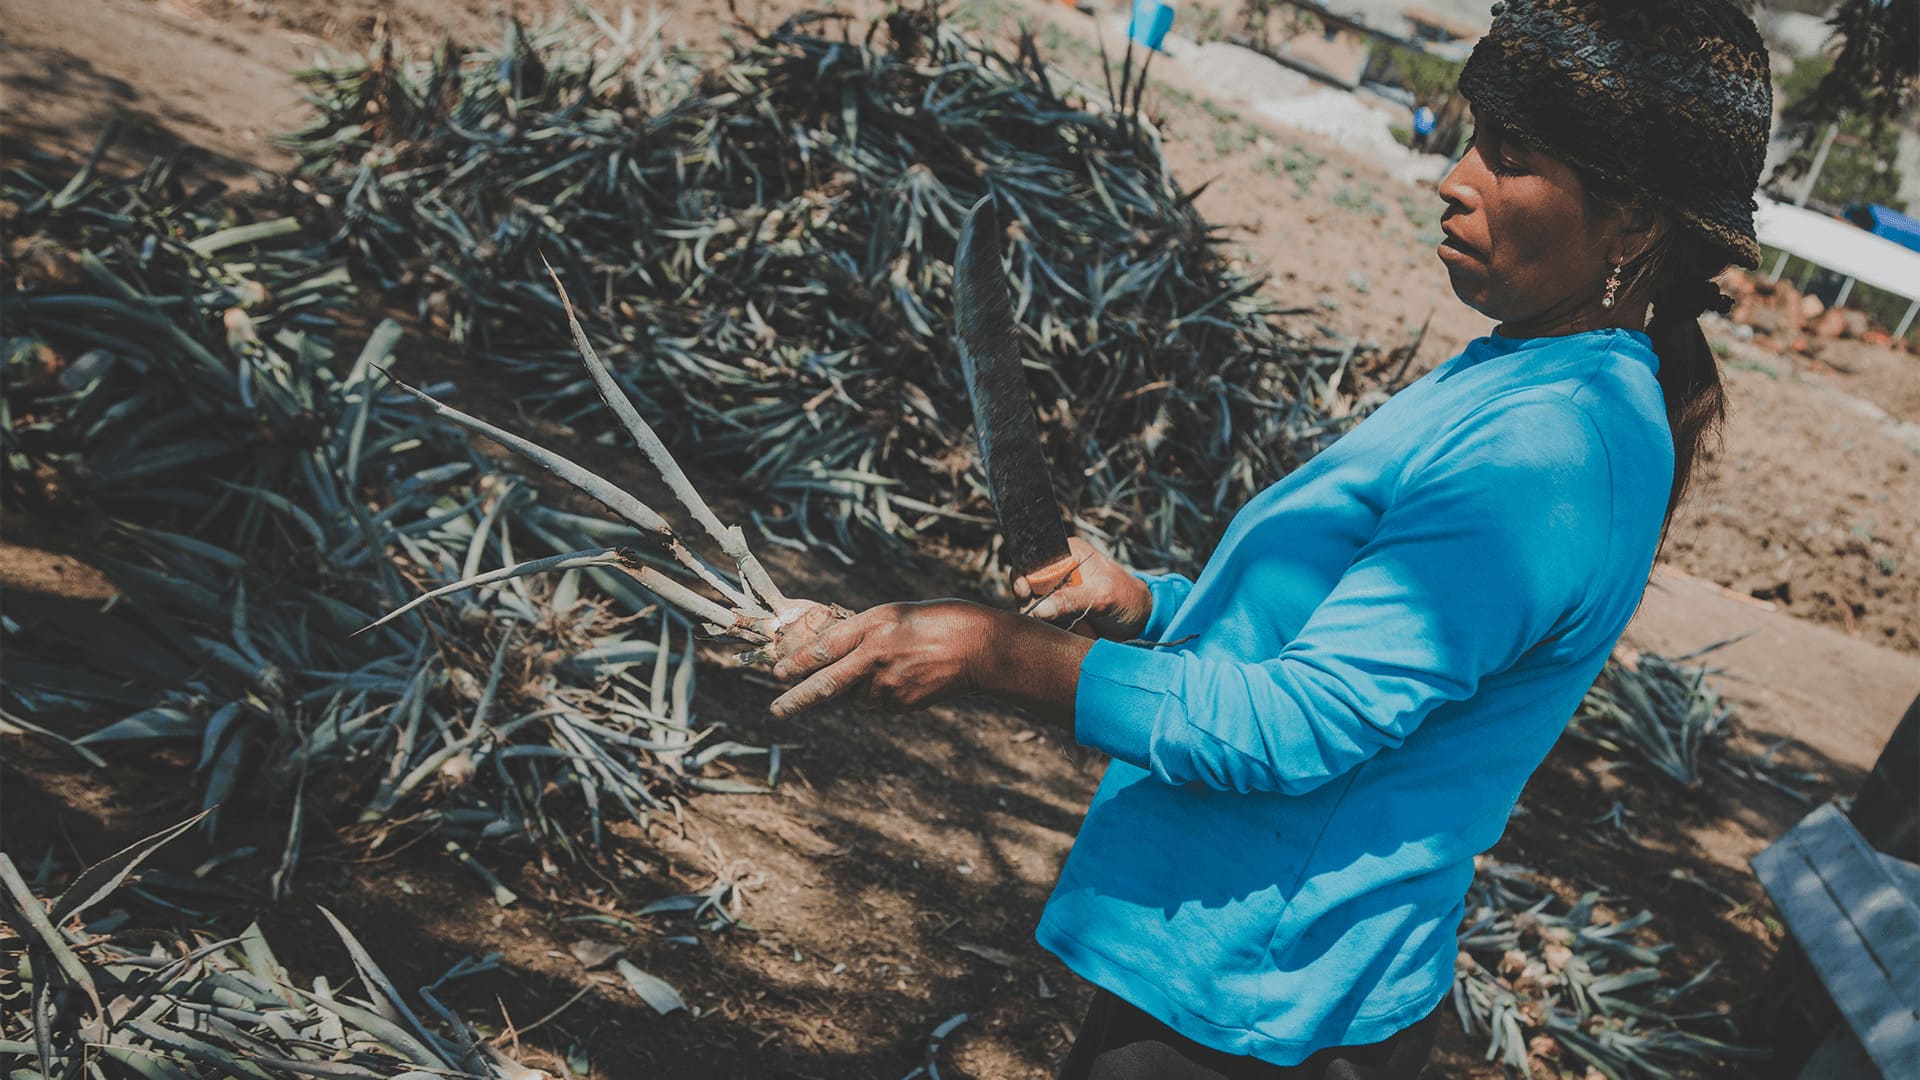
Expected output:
(1625, 343)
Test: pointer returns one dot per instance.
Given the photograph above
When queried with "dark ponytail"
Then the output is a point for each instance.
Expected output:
(1682, 290)
(1677, 272)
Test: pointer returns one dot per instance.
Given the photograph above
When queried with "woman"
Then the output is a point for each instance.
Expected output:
(1341, 711)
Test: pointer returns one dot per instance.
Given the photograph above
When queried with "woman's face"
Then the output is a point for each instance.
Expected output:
(1523, 244)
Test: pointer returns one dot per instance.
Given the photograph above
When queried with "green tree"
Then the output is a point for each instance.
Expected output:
(1873, 81)
(1859, 166)
(1427, 77)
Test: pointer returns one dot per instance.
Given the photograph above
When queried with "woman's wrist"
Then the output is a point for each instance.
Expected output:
(1032, 664)
(1140, 612)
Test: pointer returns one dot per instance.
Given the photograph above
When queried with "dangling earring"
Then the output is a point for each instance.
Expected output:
(1613, 285)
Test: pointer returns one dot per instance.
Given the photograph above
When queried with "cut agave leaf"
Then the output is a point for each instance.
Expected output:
(652, 989)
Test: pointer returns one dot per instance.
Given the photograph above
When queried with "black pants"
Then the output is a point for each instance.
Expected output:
(1119, 1042)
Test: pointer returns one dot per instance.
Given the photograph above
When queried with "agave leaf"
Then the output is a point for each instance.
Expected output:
(392, 1035)
(568, 561)
(222, 778)
(99, 880)
(385, 996)
(657, 705)
(598, 487)
(197, 1050)
(42, 991)
(12, 725)
(284, 505)
(32, 923)
(254, 233)
(726, 787)
(341, 1069)
(214, 734)
(655, 991)
(360, 393)
(502, 895)
(163, 722)
(730, 539)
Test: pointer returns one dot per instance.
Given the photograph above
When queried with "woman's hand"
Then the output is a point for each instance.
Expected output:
(905, 656)
(1109, 601)
(901, 656)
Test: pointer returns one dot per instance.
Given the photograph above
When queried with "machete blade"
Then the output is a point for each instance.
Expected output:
(1016, 464)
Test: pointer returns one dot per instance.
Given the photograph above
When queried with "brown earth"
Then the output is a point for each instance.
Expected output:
(1815, 504)
(894, 879)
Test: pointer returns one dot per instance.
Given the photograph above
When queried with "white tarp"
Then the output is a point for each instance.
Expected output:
(1839, 246)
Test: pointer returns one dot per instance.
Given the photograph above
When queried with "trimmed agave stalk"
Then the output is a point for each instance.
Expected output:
(751, 608)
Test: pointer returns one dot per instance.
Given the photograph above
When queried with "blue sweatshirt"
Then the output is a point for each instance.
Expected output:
(1348, 700)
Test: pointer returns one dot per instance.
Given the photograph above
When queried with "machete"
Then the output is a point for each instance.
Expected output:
(1016, 464)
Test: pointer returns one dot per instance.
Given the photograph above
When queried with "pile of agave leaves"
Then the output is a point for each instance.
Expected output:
(100, 997)
(173, 397)
(771, 239)
(1541, 979)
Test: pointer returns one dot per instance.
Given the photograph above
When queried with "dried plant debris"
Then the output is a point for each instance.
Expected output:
(1576, 986)
(101, 999)
(770, 238)
(1664, 713)
(173, 395)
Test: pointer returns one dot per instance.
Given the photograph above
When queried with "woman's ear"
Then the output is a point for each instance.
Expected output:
(1639, 230)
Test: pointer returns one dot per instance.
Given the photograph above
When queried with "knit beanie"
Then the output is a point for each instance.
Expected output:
(1672, 99)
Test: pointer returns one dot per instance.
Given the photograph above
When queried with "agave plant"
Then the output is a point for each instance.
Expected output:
(1666, 714)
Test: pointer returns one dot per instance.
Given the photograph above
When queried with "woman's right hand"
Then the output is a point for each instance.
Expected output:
(1108, 600)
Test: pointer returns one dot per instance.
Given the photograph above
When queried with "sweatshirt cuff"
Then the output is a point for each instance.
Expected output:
(1166, 592)
(1120, 697)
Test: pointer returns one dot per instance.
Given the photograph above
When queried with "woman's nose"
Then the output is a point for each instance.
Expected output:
(1457, 186)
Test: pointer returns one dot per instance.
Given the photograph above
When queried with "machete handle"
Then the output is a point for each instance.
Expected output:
(1061, 573)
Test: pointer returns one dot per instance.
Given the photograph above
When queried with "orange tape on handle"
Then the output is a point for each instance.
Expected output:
(1061, 573)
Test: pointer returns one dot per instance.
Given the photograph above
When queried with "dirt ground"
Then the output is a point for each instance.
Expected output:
(1816, 501)
(894, 880)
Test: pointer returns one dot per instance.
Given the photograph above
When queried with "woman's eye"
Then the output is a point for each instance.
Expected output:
(1497, 152)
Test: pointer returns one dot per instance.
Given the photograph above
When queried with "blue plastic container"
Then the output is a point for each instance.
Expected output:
(1151, 21)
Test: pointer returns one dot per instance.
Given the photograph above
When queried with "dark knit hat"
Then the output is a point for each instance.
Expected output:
(1672, 99)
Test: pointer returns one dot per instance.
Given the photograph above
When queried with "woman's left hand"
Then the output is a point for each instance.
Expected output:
(901, 656)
